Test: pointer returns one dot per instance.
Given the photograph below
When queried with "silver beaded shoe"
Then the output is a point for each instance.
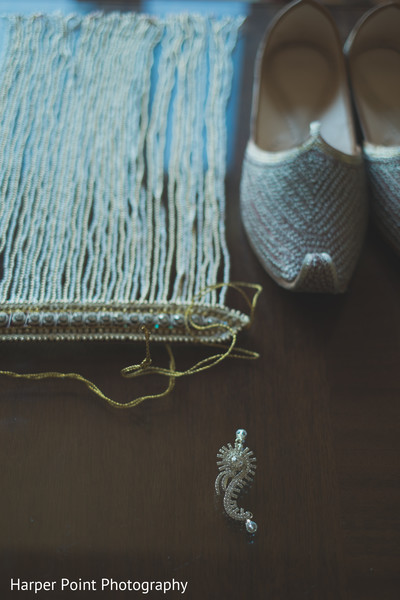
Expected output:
(373, 51)
(302, 190)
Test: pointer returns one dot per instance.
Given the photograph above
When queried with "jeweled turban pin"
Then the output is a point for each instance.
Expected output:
(237, 467)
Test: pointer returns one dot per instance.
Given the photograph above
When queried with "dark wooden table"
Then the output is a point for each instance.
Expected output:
(89, 492)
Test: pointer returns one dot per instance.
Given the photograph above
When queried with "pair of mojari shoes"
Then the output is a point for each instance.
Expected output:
(303, 192)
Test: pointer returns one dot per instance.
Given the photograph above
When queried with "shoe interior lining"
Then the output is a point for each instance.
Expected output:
(376, 88)
(300, 85)
(303, 80)
(379, 30)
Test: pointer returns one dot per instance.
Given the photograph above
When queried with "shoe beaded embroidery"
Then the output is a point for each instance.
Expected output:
(305, 214)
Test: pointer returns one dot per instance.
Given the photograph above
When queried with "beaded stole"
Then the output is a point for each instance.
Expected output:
(112, 166)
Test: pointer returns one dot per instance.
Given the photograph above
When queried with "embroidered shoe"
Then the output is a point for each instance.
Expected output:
(302, 190)
(373, 51)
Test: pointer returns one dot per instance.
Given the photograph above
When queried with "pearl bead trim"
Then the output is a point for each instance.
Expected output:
(164, 321)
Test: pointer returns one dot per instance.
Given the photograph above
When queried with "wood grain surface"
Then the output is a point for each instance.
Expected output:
(88, 492)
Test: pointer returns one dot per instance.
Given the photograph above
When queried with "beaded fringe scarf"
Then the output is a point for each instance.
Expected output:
(112, 166)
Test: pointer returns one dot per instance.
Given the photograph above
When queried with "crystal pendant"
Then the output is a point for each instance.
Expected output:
(251, 526)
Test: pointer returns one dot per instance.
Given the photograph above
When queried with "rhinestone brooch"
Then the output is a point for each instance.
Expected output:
(237, 467)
